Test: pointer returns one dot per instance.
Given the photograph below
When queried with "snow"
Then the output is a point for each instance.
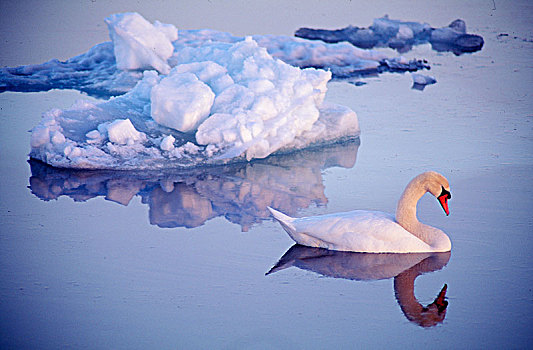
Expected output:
(221, 102)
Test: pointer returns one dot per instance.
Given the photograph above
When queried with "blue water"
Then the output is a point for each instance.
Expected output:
(179, 261)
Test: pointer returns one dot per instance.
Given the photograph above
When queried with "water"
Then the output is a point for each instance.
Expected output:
(97, 273)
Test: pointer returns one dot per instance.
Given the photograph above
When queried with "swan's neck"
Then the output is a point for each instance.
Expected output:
(406, 211)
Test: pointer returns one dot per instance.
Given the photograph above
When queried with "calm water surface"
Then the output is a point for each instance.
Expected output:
(106, 260)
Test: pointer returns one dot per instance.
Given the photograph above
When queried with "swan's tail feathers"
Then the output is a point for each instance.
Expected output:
(284, 220)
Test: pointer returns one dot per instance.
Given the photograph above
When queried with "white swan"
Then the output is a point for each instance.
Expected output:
(373, 231)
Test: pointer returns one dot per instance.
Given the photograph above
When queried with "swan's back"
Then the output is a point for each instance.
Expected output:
(358, 230)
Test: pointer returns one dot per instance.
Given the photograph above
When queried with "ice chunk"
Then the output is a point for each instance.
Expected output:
(450, 33)
(122, 132)
(404, 33)
(209, 72)
(40, 135)
(454, 38)
(420, 81)
(138, 44)
(93, 134)
(94, 72)
(180, 101)
(57, 138)
(167, 143)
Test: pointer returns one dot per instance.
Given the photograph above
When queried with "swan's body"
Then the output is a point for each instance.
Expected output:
(376, 232)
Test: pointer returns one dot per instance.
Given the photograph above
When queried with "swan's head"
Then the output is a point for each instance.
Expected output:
(437, 185)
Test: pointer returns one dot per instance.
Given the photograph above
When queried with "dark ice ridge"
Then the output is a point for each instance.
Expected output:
(400, 35)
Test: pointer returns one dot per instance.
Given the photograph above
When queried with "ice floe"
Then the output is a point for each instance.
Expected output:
(220, 102)
(400, 35)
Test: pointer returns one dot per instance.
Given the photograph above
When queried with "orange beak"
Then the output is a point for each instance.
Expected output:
(443, 200)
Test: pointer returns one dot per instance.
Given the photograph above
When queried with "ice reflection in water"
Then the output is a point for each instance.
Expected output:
(239, 192)
(404, 268)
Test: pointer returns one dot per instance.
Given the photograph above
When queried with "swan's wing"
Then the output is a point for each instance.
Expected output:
(358, 230)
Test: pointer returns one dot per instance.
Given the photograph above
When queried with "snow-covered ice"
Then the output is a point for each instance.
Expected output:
(221, 101)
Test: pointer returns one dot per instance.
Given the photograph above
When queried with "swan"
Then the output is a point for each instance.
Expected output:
(374, 231)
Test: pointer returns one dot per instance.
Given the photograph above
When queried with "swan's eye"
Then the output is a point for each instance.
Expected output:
(445, 193)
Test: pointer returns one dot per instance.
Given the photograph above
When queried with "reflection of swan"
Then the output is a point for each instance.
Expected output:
(404, 268)
(239, 192)
(376, 232)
